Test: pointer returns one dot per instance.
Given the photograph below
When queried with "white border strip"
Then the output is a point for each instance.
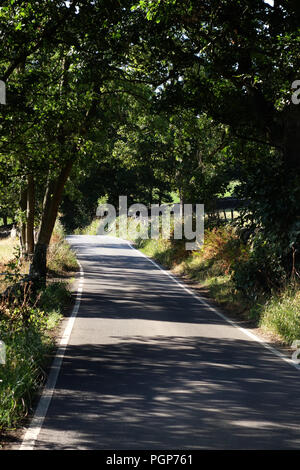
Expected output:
(34, 429)
(217, 312)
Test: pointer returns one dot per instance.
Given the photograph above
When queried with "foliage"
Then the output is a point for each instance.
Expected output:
(90, 229)
(65, 81)
(25, 328)
(221, 250)
(18, 309)
(166, 252)
(23, 372)
(281, 315)
(223, 246)
(13, 268)
(26, 321)
(27, 347)
(55, 297)
(262, 273)
(271, 208)
(238, 69)
(61, 258)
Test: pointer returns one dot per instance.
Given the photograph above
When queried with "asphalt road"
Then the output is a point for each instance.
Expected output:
(149, 367)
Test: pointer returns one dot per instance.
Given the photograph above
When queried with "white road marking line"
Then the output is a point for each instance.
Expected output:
(34, 429)
(217, 312)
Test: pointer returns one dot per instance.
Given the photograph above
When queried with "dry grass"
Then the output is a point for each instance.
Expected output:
(7, 249)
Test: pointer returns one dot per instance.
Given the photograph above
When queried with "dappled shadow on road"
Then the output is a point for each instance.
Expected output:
(130, 287)
(128, 387)
(83, 243)
(173, 392)
(120, 283)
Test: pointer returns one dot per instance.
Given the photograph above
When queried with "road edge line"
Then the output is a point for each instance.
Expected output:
(221, 315)
(36, 423)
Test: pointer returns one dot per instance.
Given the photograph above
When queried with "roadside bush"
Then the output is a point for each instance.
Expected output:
(23, 372)
(260, 274)
(59, 233)
(54, 297)
(23, 328)
(223, 249)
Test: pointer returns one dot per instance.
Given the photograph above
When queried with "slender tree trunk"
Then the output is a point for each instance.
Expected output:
(23, 207)
(30, 217)
(53, 196)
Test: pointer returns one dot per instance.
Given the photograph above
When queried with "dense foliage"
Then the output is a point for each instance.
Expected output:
(151, 100)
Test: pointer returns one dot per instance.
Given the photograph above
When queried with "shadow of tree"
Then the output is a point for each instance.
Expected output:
(149, 367)
(173, 392)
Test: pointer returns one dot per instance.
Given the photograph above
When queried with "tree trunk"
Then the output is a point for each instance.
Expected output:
(23, 207)
(52, 199)
(30, 217)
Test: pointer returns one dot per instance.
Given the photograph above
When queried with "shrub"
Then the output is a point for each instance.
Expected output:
(223, 248)
(260, 274)
(54, 297)
(23, 372)
(24, 328)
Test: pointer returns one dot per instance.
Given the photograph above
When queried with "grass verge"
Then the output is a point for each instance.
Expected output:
(281, 315)
(28, 330)
(89, 229)
(7, 249)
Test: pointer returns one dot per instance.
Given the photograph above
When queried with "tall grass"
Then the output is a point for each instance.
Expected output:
(88, 230)
(281, 315)
(25, 328)
(23, 373)
(61, 258)
(7, 249)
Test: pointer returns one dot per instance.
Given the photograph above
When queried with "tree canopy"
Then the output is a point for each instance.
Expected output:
(147, 98)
